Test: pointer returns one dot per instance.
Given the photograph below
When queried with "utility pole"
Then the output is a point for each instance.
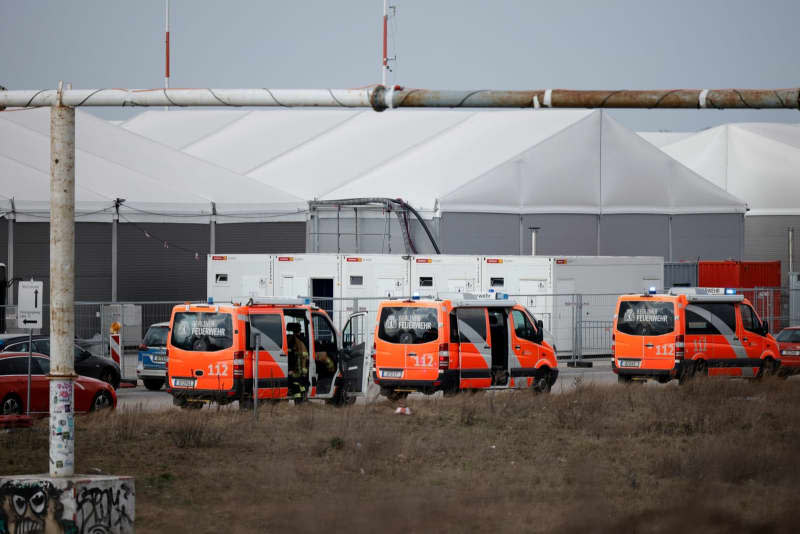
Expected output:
(62, 288)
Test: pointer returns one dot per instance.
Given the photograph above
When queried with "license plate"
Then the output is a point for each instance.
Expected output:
(391, 373)
(158, 358)
(183, 382)
(629, 363)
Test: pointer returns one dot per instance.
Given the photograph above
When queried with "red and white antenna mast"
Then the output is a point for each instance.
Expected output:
(166, 48)
(384, 42)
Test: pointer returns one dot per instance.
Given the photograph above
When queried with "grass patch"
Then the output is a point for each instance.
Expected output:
(712, 456)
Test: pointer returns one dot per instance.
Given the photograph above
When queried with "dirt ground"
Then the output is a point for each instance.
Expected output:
(712, 456)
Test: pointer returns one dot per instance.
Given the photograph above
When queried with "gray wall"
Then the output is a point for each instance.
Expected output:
(147, 271)
(710, 236)
(766, 238)
(373, 235)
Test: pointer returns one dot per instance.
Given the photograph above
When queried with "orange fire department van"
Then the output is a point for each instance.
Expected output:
(213, 348)
(459, 343)
(688, 332)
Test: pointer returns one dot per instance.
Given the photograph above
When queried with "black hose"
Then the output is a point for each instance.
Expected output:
(421, 221)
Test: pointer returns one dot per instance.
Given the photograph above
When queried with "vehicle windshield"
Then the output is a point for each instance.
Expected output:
(408, 325)
(646, 318)
(202, 331)
(789, 336)
(156, 336)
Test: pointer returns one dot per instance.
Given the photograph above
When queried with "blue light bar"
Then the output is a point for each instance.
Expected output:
(415, 296)
(730, 291)
(211, 300)
(652, 290)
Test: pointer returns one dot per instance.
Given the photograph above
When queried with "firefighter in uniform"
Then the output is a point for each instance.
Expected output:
(298, 351)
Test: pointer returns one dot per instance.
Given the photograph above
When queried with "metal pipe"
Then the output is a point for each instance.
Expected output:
(379, 98)
(62, 290)
(166, 47)
(212, 230)
(791, 249)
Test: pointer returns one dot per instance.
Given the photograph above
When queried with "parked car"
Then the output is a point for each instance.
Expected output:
(90, 394)
(789, 346)
(152, 365)
(86, 363)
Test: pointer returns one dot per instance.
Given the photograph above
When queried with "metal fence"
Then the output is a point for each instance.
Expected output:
(578, 325)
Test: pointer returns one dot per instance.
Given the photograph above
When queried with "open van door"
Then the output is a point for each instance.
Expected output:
(354, 360)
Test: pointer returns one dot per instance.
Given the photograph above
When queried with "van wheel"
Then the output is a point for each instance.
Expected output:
(700, 368)
(395, 396)
(246, 404)
(153, 384)
(624, 379)
(542, 383)
(769, 367)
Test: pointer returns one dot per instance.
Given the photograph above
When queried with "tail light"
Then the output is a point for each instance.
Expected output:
(238, 364)
(613, 342)
(142, 347)
(372, 356)
(680, 347)
(444, 356)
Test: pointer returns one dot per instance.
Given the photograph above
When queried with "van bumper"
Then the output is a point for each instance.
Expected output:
(675, 372)
(445, 379)
(221, 396)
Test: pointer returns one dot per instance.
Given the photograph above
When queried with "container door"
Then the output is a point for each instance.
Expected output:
(273, 362)
(539, 306)
(293, 286)
(474, 349)
(354, 359)
(564, 323)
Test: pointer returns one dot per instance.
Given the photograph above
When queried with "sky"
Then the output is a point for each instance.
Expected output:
(439, 44)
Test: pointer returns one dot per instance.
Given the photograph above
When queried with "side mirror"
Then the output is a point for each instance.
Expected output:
(765, 328)
(539, 324)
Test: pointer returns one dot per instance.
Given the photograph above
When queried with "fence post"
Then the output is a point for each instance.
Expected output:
(577, 334)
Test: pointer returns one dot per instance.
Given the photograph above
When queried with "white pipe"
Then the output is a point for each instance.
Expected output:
(166, 48)
(384, 41)
(62, 290)
(190, 97)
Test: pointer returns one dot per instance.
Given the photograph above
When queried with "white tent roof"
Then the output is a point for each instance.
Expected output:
(756, 161)
(547, 161)
(158, 183)
(660, 139)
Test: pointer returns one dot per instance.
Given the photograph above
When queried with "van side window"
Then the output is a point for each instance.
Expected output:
(522, 326)
(270, 328)
(750, 320)
(472, 325)
(710, 318)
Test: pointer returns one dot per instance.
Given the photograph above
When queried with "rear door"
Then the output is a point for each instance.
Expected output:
(475, 353)
(354, 360)
(408, 345)
(645, 334)
(267, 335)
(202, 350)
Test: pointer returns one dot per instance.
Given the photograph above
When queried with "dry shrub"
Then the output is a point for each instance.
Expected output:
(200, 430)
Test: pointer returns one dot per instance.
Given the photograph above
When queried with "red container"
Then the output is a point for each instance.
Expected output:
(739, 274)
(747, 275)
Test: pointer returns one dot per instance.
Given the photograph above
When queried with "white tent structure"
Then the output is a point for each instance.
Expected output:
(660, 139)
(166, 221)
(481, 162)
(158, 183)
(759, 162)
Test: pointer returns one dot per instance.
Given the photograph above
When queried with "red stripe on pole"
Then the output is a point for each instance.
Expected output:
(167, 50)
(384, 41)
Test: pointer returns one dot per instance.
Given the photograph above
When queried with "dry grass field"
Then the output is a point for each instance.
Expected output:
(712, 456)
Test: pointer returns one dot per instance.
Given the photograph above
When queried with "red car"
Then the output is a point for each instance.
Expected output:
(90, 394)
(789, 346)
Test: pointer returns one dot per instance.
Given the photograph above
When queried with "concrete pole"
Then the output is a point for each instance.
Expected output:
(11, 218)
(62, 290)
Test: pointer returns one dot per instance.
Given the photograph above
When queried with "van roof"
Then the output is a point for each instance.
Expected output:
(704, 294)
